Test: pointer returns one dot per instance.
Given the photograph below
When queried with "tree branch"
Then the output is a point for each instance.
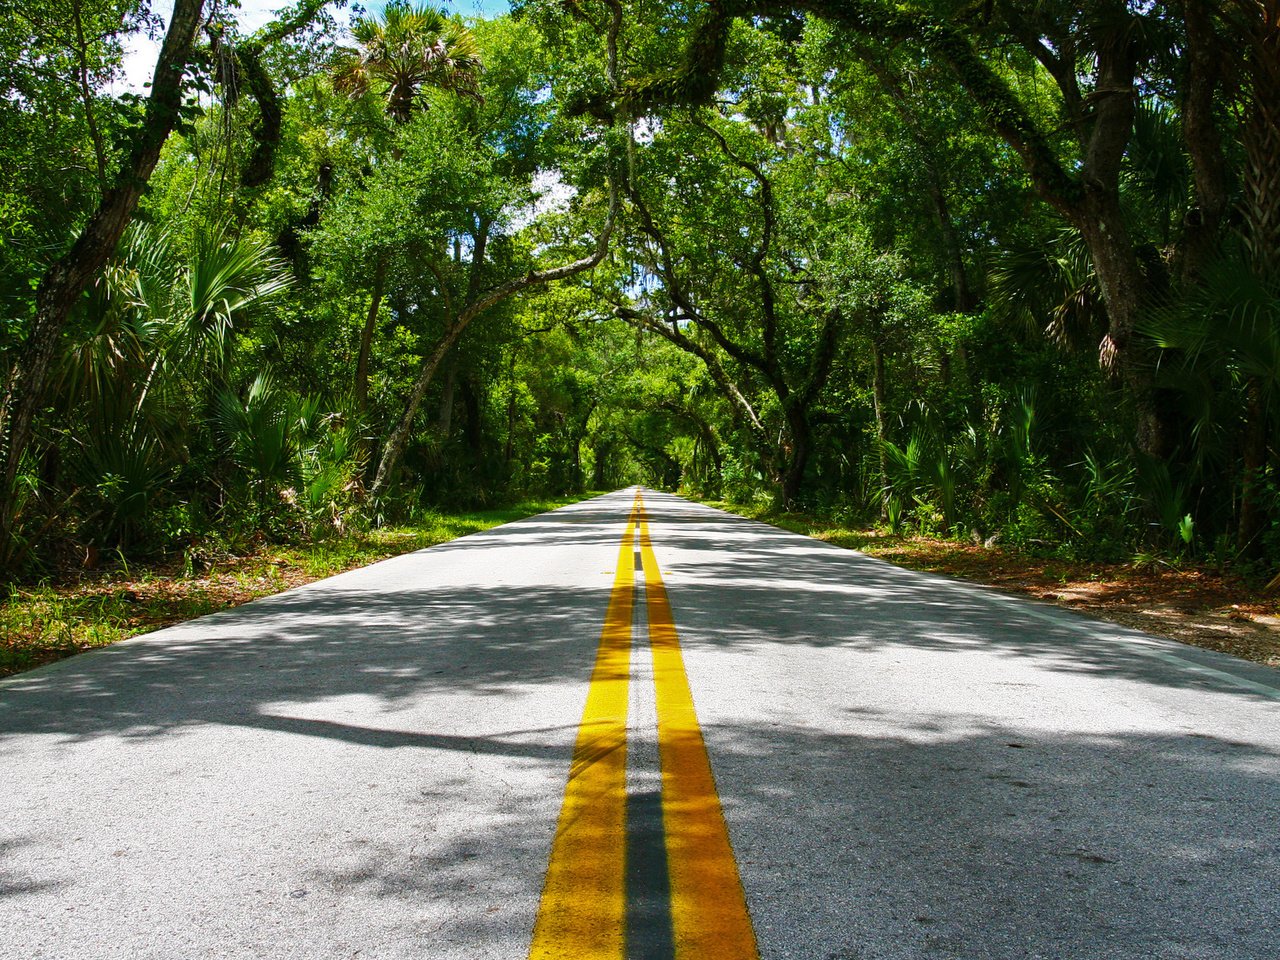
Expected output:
(294, 20)
(694, 81)
(756, 265)
(676, 292)
(393, 449)
(671, 332)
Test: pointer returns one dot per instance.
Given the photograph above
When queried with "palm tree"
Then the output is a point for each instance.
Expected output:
(401, 54)
(406, 51)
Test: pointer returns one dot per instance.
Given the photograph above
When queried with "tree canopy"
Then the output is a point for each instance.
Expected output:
(1001, 269)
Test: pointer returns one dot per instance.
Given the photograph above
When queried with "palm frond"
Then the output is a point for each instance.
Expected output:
(259, 432)
(1230, 322)
(225, 280)
(405, 52)
(1049, 287)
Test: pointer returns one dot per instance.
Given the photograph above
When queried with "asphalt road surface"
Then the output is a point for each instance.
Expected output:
(641, 729)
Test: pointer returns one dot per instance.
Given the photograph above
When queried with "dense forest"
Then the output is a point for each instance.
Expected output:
(996, 269)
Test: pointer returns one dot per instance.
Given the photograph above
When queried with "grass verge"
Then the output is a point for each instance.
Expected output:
(1196, 605)
(44, 623)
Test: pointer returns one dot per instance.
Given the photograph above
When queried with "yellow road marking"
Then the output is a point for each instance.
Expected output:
(583, 908)
(708, 908)
(582, 915)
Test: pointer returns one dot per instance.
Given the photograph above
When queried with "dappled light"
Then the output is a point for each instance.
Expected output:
(901, 759)
(376, 634)
(1000, 279)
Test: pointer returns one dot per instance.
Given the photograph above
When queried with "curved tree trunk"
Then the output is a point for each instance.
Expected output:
(393, 449)
(366, 336)
(397, 440)
(68, 278)
(1123, 291)
(1086, 195)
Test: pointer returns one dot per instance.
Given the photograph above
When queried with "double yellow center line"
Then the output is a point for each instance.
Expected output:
(583, 910)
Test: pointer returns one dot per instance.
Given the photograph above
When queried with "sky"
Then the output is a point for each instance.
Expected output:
(141, 51)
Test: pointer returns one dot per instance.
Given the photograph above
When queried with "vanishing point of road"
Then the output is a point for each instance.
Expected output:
(641, 728)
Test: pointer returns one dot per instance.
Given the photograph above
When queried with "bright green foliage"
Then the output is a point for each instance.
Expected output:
(60, 127)
(404, 52)
(855, 266)
(141, 360)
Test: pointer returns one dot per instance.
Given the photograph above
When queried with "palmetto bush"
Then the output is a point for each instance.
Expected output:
(331, 461)
(297, 463)
(142, 366)
(260, 435)
(122, 464)
(984, 474)
(1223, 340)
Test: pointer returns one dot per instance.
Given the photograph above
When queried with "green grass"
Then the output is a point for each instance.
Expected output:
(43, 623)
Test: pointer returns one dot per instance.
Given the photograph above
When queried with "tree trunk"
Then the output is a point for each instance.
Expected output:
(366, 335)
(509, 450)
(445, 424)
(1261, 206)
(575, 482)
(954, 255)
(68, 278)
(1203, 140)
(797, 458)
(882, 431)
(1121, 352)
(393, 449)
(1099, 215)
(473, 419)
(599, 476)
(86, 93)
(710, 445)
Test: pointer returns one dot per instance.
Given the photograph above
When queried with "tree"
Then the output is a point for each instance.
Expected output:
(402, 54)
(480, 290)
(1095, 55)
(72, 273)
(405, 52)
(786, 289)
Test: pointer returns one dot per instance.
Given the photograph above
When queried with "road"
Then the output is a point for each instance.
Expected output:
(776, 746)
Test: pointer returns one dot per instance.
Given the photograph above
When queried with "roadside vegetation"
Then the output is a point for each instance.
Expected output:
(40, 623)
(1004, 273)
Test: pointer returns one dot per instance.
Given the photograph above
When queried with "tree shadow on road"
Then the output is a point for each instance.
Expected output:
(732, 583)
(993, 844)
(383, 632)
(16, 881)
(865, 832)
(740, 584)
